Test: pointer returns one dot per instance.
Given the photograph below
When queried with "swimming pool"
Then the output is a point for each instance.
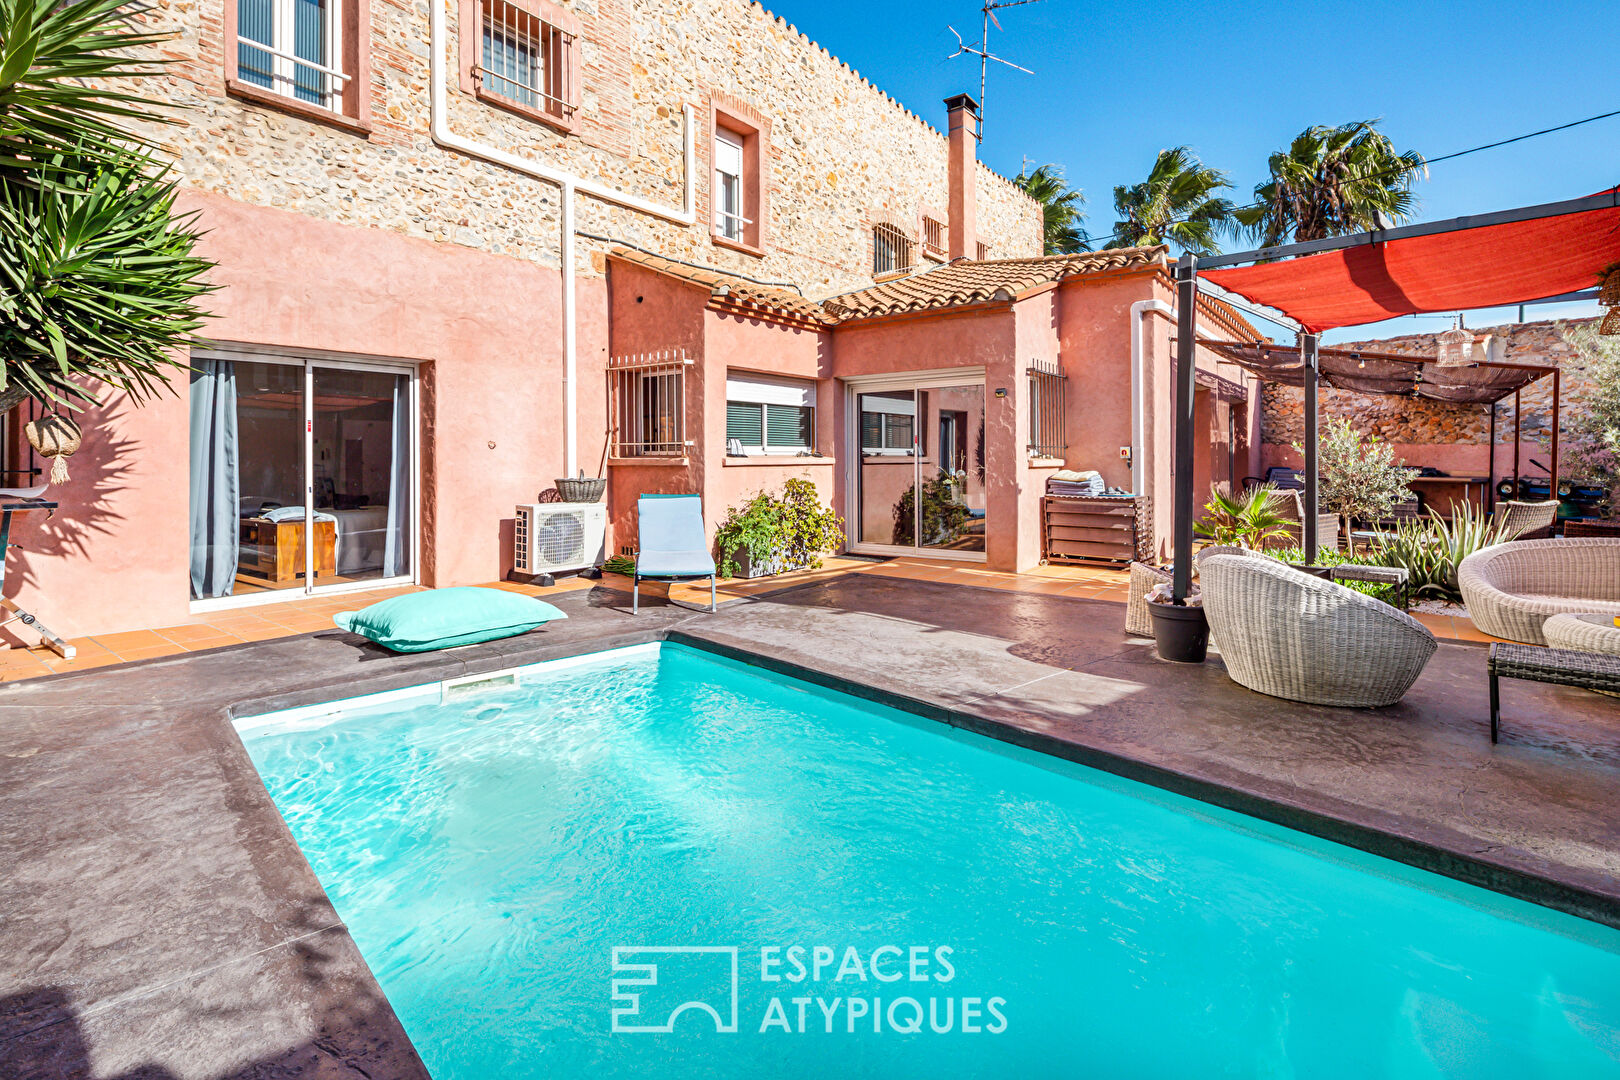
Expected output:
(545, 869)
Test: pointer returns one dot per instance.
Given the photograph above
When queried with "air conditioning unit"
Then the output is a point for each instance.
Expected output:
(550, 537)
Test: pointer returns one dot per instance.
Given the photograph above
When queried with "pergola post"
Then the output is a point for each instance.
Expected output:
(1518, 426)
(1307, 354)
(1186, 374)
(1552, 490)
(1490, 466)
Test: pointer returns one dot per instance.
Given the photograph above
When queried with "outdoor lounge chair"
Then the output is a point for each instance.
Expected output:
(1511, 589)
(1291, 635)
(673, 546)
(1526, 520)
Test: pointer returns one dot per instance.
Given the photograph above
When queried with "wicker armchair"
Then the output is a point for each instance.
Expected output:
(1526, 518)
(1291, 505)
(1512, 588)
(1295, 636)
(1138, 619)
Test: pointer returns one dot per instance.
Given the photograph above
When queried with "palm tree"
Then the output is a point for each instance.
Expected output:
(1061, 208)
(1331, 181)
(1176, 204)
(98, 282)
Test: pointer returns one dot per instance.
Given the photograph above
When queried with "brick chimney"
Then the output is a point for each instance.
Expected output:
(964, 155)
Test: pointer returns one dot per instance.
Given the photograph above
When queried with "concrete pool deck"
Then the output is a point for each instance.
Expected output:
(159, 921)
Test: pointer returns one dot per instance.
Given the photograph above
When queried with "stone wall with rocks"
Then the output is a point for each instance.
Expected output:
(1418, 422)
(842, 152)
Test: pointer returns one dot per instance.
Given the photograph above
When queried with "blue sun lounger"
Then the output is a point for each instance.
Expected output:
(673, 545)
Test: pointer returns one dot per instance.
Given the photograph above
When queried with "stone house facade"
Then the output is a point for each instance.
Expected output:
(468, 248)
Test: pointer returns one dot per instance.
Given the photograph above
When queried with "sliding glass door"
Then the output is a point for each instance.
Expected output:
(919, 480)
(302, 475)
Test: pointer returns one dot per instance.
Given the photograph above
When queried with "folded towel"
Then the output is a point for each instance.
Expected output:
(293, 513)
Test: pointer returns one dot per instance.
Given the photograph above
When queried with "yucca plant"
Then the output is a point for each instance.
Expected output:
(98, 276)
(1248, 520)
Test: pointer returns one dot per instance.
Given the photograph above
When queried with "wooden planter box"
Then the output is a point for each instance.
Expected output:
(1099, 530)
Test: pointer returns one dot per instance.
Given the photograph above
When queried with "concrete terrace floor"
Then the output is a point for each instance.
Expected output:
(304, 615)
(159, 920)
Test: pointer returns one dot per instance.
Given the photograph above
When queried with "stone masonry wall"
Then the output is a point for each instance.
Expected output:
(1420, 421)
(842, 153)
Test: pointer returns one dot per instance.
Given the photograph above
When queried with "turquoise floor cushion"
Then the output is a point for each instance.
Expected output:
(445, 618)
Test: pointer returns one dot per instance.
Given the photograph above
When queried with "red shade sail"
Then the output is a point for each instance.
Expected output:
(1488, 266)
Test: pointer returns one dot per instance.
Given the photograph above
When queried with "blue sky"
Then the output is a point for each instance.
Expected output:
(1117, 81)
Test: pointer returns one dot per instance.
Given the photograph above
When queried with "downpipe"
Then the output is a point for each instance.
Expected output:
(569, 185)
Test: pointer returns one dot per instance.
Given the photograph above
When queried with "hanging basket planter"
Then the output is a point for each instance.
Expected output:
(57, 438)
(1609, 297)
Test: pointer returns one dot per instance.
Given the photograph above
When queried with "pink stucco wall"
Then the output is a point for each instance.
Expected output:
(484, 329)
(986, 338)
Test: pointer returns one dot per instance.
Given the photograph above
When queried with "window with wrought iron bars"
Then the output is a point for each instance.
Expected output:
(1046, 422)
(291, 47)
(648, 404)
(933, 235)
(983, 251)
(891, 249)
(526, 60)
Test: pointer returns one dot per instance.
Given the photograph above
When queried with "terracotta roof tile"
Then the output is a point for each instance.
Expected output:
(734, 291)
(969, 281)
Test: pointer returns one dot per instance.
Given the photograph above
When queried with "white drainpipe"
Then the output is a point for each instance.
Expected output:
(1139, 313)
(570, 184)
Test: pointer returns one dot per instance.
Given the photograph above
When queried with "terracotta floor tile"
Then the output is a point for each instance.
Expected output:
(215, 642)
(19, 671)
(168, 648)
(130, 639)
(189, 632)
(82, 663)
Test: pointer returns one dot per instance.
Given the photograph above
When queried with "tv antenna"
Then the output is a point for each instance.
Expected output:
(981, 49)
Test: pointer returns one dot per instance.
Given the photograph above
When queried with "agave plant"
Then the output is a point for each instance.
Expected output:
(1430, 551)
(1248, 520)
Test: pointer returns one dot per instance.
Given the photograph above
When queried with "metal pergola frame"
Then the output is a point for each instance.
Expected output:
(1187, 288)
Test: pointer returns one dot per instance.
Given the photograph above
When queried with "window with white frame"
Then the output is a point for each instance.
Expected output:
(729, 214)
(526, 60)
(891, 249)
(766, 415)
(292, 48)
(891, 430)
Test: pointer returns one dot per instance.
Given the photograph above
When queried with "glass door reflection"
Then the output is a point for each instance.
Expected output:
(360, 475)
(951, 491)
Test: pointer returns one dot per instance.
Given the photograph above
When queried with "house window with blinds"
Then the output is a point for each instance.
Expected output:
(526, 59)
(292, 48)
(769, 415)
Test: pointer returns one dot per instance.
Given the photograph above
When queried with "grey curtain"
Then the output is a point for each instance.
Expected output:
(215, 489)
(397, 542)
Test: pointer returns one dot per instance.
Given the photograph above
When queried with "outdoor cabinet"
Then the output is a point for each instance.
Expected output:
(1104, 530)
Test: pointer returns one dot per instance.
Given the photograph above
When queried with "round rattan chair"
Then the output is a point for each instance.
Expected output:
(1511, 589)
(1292, 635)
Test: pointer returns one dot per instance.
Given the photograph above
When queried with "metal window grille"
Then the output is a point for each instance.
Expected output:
(1046, 418)
(891, 249)
(933, 234)
(526, 59)
(648, 406)
(291, 47)
(984, 251)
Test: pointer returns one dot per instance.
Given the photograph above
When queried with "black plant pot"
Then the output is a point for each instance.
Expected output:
(1181, 633)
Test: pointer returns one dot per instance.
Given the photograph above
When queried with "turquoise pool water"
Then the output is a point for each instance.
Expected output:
(491, 850)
